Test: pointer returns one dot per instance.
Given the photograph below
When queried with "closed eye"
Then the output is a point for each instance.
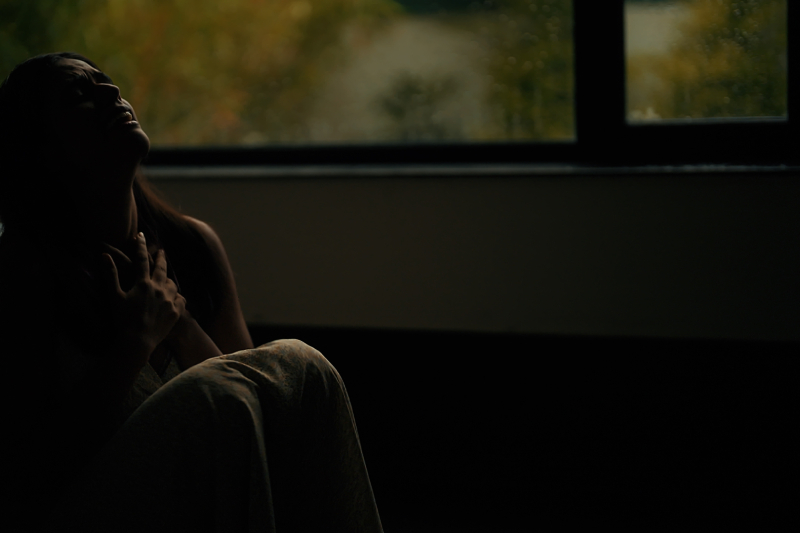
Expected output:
(75, 91)
(77, 87)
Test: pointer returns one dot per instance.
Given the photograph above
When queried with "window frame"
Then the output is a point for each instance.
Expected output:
(603, 136)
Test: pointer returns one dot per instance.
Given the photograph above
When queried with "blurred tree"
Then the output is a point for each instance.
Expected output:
(412, 103)
(199, 71)
(730, 61)
(210, 72)
(526, 49)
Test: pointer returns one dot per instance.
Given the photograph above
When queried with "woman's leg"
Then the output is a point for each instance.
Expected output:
(258, 440)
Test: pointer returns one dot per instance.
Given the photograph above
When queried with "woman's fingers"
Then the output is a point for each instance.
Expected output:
(118, 256)
(152, 306)
(169, 288)
(112, 275)
(180, 304)
(142, 261)
(160, 268)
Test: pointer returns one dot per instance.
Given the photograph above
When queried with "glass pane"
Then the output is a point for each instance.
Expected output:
(211, 72)
(700, 59)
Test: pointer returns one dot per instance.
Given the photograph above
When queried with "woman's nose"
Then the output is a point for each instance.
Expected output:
(107, 92)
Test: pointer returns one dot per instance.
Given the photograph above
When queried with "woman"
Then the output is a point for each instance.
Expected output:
(115, 311)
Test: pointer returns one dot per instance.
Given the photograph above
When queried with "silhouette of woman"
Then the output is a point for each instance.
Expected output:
(115, 313)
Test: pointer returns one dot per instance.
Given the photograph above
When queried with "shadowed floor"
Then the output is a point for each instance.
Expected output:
(479, 432)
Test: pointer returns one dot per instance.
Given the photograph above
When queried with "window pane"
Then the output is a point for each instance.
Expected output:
(210, 72)
(690, 59)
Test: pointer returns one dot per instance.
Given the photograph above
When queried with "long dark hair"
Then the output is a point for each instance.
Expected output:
(196, 270)
(29, 190)
(32, 197)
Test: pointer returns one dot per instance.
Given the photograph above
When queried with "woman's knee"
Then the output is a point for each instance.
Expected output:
(202, 392)
(288, 376)
(298, 367)
(296, 349)
(285, 356)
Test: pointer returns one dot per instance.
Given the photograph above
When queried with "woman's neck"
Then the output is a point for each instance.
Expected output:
(109, 218)
(117, 221)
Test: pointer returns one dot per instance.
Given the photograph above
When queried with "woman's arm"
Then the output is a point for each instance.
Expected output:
(229, 330)
(189, 343)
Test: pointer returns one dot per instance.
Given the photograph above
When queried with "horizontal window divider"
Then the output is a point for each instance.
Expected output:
(519, 152)
(156, 173)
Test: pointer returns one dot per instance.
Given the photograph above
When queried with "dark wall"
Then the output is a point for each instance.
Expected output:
(683, 255)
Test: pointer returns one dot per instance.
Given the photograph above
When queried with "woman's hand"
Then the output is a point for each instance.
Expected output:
(145, 314)
(125, 267)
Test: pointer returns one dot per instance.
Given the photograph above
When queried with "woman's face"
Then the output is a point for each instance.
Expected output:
(90, 123)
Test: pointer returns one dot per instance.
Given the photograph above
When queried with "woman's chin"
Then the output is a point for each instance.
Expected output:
(133, 145)
(114, 153)
(144, 144)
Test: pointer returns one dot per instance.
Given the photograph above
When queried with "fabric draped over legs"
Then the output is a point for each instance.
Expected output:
(258, 440)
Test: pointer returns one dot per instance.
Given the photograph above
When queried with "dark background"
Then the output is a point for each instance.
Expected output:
(499, 432)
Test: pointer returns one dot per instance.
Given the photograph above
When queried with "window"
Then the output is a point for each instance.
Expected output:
(255, 73)
(418, 81)
(704, 59)
(609, 136)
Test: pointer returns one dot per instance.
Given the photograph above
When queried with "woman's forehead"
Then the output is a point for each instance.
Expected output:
(72, 69)
(76, 66)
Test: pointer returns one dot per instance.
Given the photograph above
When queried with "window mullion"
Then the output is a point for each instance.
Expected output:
(599, 78)
(793, 79)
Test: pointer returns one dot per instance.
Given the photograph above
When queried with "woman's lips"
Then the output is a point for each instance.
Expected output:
(121, 119)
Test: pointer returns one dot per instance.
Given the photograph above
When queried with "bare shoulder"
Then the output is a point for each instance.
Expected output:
(229, 331)
(211, 238)
(206, 231)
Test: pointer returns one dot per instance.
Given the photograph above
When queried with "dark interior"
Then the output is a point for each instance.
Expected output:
(501, 432)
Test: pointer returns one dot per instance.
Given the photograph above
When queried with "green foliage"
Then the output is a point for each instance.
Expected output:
(524, 50)
(206, 72)
(412, 103)
(729, 62)
(199, 71)
(527, 51)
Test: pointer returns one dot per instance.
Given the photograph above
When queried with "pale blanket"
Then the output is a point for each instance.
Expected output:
(258, 440)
